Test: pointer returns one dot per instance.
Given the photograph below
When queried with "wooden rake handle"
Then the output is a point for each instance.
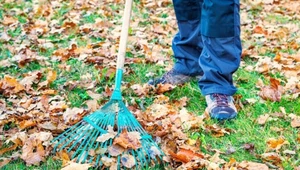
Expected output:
(124, 34)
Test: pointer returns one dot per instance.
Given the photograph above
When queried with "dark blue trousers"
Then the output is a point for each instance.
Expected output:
(208, 42)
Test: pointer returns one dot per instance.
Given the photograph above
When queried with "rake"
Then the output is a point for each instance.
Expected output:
(82, 139)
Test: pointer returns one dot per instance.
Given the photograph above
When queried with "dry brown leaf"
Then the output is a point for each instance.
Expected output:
(64, 157)
(295, 123)
(106, 136)
(260, 30)
(26, 103)
(128, 140)
(262, 119)
(108, 162)
(216, 158)
(48, 126)
(26, 124)
(49, 92)
(76, 166)
(185, 155)
(217, 131)
(92, 105)
(4, 161)
(252, 166)
(115, 150)
(73, 115)
(45, 101)
(249, 147)
(158, 110)
(4, 150)
(272, 157)
(11, 84)
(128, 161)
(33, 152)
(298, 137)
(31, 78)
(51, 76)
(139, 89)
(272, 92)
(162, 88)
(8, 20)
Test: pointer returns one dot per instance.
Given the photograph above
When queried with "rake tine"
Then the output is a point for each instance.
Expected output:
(82, 147)
(66, 138)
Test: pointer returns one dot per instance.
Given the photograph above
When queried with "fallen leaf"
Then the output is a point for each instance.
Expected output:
(4, 150)
(8, 20)
(106, 136)
(33, 152)
(252, 166)
(230, 150)
(249, 147)
(73, 115)
(115, 150)
(216, 158)
(26, 124)
(276, 143)
(108, 161)
(162, 88)
(272, 157)
(295, 123)
(47, 126)
(213, 166)
(269, 93)
(10, 84)
(4, 161)
(154, 151)
(51, 76)
(272, 92)
(262, 119)
(128, 140)
(217, 131)
(260, 30)
(76, 166)
(185, 155)
(128, 161)
(64, 157)
(49, 92)
(289, 152)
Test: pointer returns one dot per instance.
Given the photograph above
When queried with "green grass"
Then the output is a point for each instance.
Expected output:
(18, 164)
(245, 129)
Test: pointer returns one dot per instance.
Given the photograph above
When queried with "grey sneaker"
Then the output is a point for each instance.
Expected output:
(220, 106)
(173, 77)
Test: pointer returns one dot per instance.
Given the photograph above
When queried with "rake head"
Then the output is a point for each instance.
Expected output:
(103, 139)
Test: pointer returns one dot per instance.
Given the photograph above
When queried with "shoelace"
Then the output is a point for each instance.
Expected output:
(221, 99)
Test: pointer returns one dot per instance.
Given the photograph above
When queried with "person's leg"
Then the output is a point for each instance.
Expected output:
(187, 43)
(220, 58)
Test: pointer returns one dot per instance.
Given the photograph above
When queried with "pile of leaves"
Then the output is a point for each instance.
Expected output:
(32, 111)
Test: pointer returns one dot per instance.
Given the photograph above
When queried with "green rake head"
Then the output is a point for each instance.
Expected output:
(81, 140)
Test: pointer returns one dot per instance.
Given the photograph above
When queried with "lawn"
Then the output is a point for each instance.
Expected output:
(57, 64)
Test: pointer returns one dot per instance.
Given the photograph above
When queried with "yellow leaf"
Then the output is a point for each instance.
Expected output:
(10, 82)
(51, 76)
(276, 143)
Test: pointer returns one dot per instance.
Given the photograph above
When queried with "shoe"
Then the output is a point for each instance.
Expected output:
(172, 77)
(220, 106)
